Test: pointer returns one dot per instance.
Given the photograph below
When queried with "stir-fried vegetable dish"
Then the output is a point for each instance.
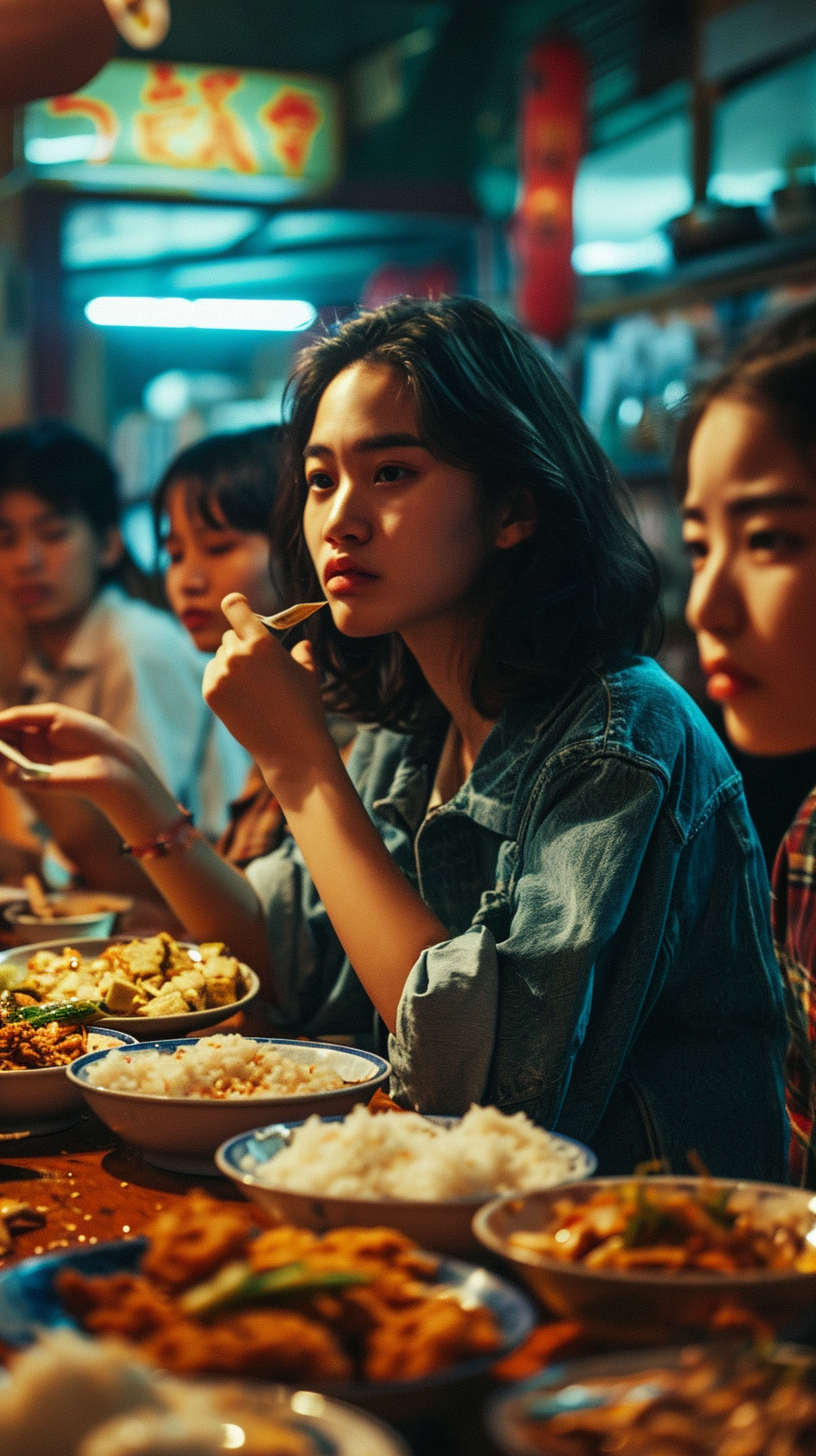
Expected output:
(152, 977)
(641, 1225)
(712, 1405)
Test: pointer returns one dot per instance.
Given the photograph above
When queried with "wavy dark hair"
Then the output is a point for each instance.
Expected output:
(775, 370)
(236, 472)
(582, 588)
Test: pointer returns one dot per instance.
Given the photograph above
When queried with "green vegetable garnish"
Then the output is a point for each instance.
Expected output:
(55, 1011)
(236, 1285)
(717, 1208)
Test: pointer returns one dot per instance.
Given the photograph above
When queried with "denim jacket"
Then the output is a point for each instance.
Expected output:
(609, 968)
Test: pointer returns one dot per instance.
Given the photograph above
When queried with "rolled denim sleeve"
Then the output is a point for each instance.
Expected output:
(561, 953)
(446, 1024)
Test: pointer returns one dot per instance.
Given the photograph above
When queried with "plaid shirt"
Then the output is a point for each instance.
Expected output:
(793, 916)
(256, 825)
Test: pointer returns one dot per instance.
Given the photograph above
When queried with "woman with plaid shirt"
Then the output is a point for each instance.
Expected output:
(750, 530)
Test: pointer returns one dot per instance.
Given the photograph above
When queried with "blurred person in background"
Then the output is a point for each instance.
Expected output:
(94, 648)
(749, 513)
(212, 516)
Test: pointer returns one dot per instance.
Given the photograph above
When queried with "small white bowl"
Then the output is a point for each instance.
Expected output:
(182, 1133)
(32, 929)
(443, 1225)
(31, 1095)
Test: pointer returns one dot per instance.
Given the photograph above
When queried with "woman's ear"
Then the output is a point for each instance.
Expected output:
(113, 548)
(518, 520)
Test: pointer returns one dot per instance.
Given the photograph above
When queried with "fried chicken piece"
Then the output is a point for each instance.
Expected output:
(430, 1336)
(120, 1304)
(278, 1246)
(274, 1344)
(384, 1246)
(191, 1241)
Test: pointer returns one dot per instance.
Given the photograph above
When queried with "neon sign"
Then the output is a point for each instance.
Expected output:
(191, 128)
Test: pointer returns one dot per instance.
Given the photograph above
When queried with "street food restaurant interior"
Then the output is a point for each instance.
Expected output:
(191, 193)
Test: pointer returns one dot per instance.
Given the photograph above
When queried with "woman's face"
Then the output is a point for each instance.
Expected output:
(49, 563)
(750, 529)
(397, 537)
(207, 562)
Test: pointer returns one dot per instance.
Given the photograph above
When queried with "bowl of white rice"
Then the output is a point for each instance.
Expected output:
(426, 1176)
(177, 1100)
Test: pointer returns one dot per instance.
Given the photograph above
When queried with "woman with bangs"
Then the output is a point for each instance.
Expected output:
(211, 513)
(748, 482)
(539, 868)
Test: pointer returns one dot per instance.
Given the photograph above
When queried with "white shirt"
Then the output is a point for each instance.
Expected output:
(134, 666)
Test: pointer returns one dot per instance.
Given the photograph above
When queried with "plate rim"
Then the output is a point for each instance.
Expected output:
(474, 1201)
(166, 1044)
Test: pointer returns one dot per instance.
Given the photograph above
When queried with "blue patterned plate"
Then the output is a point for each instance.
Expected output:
(29, 1303)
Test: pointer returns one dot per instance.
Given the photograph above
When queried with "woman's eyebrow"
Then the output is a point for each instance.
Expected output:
(748, 505)
(782, 500)
(372, 442)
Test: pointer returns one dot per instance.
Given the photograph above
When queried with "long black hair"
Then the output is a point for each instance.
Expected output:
(582, 588)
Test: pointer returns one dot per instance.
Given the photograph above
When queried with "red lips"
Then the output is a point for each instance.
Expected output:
(195, 619)
(725, 680)
(343, 574)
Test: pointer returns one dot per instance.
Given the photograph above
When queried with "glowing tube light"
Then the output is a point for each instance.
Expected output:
(264, 315)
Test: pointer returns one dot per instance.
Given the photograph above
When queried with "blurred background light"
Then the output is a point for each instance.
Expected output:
(630, 411)
(96, 234)
(50, 151)
(265, 315)
(652, 252)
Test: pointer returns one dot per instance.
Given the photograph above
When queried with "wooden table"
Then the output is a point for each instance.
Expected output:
(89, 1187)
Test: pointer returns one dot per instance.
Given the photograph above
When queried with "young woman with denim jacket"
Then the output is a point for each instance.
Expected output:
(539, 863)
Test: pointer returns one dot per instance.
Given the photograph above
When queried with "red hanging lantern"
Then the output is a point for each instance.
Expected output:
(552, 135)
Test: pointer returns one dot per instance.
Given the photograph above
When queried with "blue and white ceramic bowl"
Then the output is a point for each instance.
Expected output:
(31, 1097)
(182, 1133)
(29, 1304)
(443, 1225)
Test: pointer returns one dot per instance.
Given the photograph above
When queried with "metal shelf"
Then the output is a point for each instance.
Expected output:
(746, 269)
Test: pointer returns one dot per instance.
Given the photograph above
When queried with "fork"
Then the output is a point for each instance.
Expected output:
(290, 616)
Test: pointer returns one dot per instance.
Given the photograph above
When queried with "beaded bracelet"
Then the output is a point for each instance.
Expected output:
(176, 836)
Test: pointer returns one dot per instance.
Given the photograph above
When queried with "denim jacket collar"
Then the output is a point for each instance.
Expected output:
(492, 794)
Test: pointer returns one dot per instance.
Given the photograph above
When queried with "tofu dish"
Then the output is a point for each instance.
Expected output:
(152, 977)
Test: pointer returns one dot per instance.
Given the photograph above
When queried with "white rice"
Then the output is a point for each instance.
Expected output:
(402, 1155)
(214, 1067)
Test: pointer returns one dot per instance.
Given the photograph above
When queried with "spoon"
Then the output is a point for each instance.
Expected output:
(290, 616)
(34, 770)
